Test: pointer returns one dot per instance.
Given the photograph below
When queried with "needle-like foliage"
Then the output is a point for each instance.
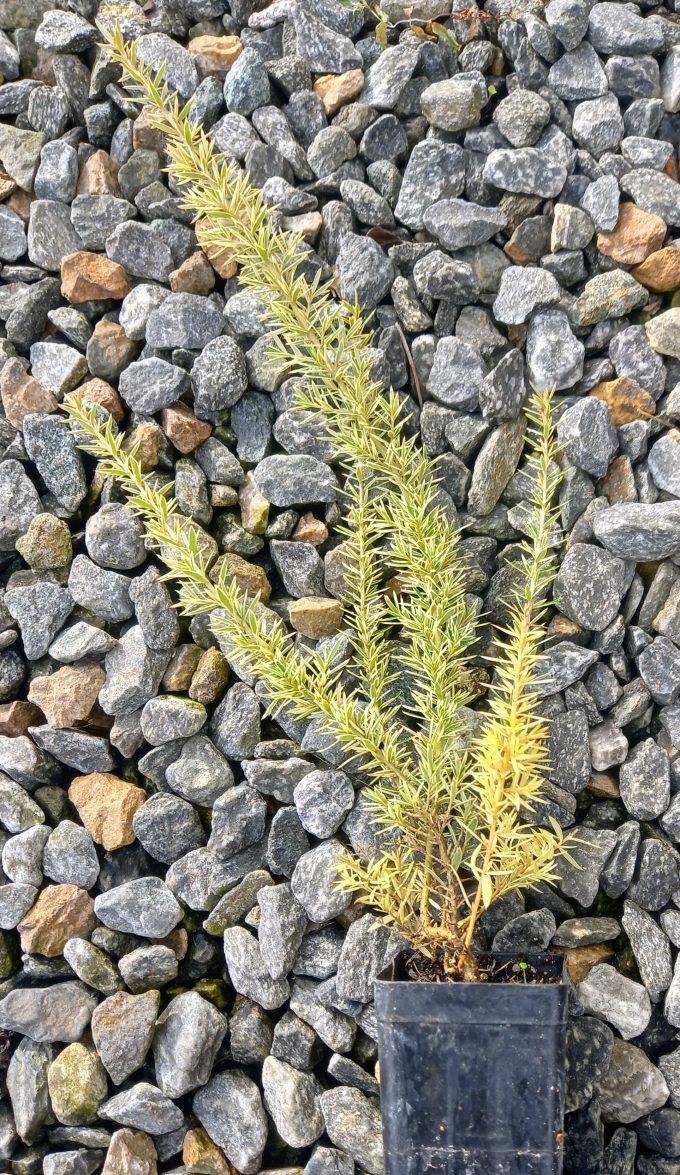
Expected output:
(458, 809)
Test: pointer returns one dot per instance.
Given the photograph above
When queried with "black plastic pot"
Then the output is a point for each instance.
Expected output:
(472, 1074)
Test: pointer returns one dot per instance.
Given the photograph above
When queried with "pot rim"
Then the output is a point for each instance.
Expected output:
(554, 962)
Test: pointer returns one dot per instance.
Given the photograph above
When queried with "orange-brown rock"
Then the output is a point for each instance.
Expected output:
(61, 912)
(182, 428)
(335, 90)
(210, 678)
(307, 224)
(194, 276)
(109, 349)
(221, 496)
(69, 695)
(147, 440)
(106, 805)
(181, 669)
(201, 1156)
(47, 544)
(7, 185)
(131, 1152)
(98, 391)
(16, 717)
(310, 530)
(91, 277)
(220, 259)
(315, 616)
(22, 394)
(625, 399)
(635, 235)
(618, 485)
(249, 577)
(254, 506)
(20, 202)
(660, 271)
(145, 135)
(581, 960)
(99, 176)
(604, 786)
(214, 55)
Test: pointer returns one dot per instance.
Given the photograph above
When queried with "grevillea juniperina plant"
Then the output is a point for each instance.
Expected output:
(455, 791)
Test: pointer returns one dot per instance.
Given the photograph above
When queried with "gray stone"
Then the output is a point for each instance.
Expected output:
(168, 717)
(57, 367)
(19, 503)
(61, 1012)
(578, 879)
(188, 1037)
(27, 1088)
(651, 949)
(457, 374)
(314, 882)
(587, 437)
(51, 446)
(366, 273)
(554, 356)
(526, 170)
(114, 537)
(640, 531)
(146, 907)
(590, 586)
(601, 201)
(353, 1124)
(645, 781)
(143, 1107)
(295, 480)
(619, 1001)
(454, 104)
(51, 236)
(495, 465)
(247, 85)
(659, 667)
(387, 77)
(283, 923)
(69, 857)
(57, 174)
(323, 799)
(39, 609)
(218, 377)
(569, 751)
(654, 192)
(106, 593)
(247, 971)
(12, 235)
(631, 1087)
(15, 901)
(184, 320)
(230, 1109)
(151, 384)
(523, 290)
(578, 75)
(459, 223)
(179, 70)
(167, 827)
(435, 172)
(96, 217)
(148, 968)
(133, 673)
(200, 774)
(154, 610)
(122, 1031)
(141, 251)
(238, 821)
(292, 1099)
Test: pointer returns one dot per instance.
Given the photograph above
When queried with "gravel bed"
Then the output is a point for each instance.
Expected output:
(182, 986)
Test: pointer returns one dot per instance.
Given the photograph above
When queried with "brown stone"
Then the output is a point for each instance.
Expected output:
(69, 695)
(581, 960)
(335, 90)
(99, 176)
(20, 202)
(16, 717)
(91, 277)
(604, 786)
(201, 1156)
(60, 913)
(660, 271)
(146, 440)
(131, 1152)
(47, 544)
(222, 496)
(210, 678)
(625, 399)
(194, 276)
(315, 616)
(220, 259)
(619, 483)
(310, 530)
(7, 185)
(109, 350)
(635, 236)
(99, 391)
(22, 394)
(145, 135)
(214, 55)
(254, 506)
(181, 669)
(182, 428)
(249, 577)
(106, 805)
(308, 225)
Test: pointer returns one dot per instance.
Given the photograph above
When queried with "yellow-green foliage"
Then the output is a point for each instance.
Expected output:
(460, 809)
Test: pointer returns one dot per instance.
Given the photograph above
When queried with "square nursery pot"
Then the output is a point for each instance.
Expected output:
(472, 1074)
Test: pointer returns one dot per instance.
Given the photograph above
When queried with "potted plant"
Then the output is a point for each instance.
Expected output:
(471, 1046)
